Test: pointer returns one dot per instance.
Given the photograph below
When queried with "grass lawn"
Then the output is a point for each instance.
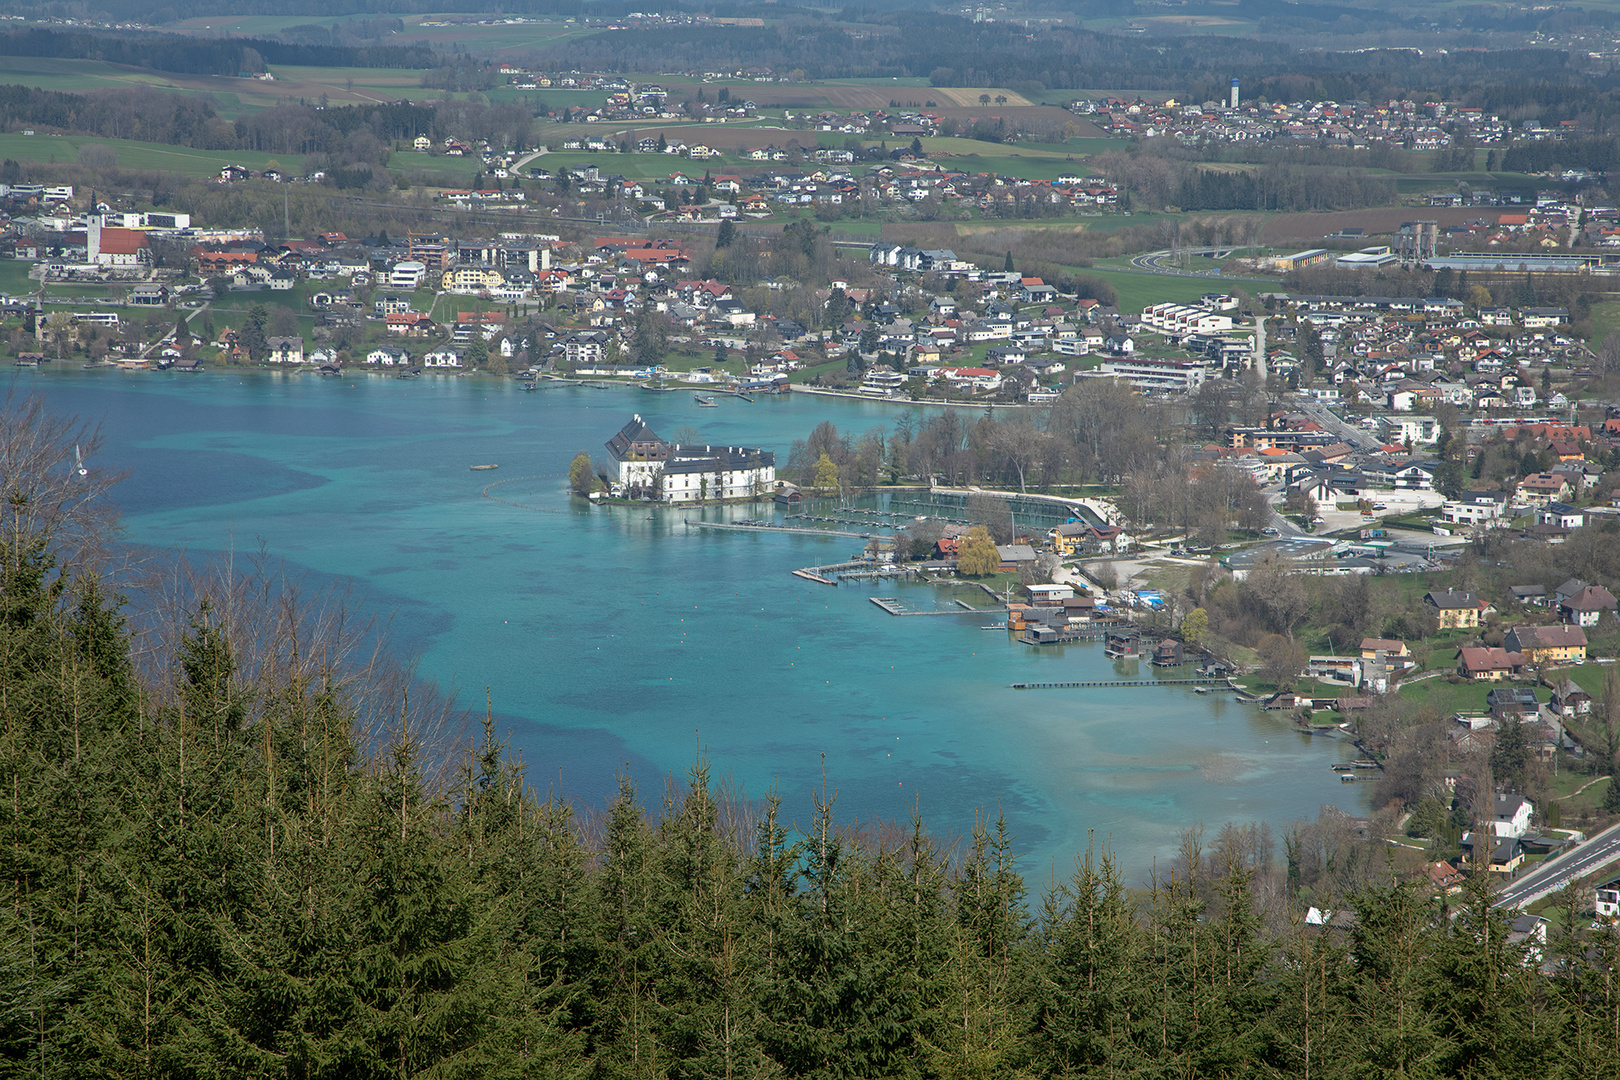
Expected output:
(155, 157)
(451, 172)
(1588, 677)
(71, 76)
(1138, 290)
(14, 278)
(1447, 697)
(1605, 319)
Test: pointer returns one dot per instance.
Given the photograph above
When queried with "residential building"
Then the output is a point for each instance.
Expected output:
(407, 274)
(1560, 644)
(284, 350)
(1511, 815)
(1607, 897)
(1453, 608)
(1483, 664)
(1586, 607)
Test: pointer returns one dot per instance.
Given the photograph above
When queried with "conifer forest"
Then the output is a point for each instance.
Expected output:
(238, 842)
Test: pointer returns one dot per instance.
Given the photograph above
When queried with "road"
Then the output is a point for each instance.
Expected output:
(526, 158)
(1349, 433)
(1152, 262)
(1554, 874)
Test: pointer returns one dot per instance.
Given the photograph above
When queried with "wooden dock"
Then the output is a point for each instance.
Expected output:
(1116, 682)
(891, 604)
(774, 528)
(808, 576)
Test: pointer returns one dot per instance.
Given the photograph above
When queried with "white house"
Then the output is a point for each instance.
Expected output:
(1511, 816)
(1608, 899)
(407, 274)
(443, 357)
(285, 350)
(383, 356)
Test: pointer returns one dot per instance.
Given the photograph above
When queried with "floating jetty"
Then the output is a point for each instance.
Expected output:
(891, 604)
(1115, 682)
(808, 576)
(739, 527)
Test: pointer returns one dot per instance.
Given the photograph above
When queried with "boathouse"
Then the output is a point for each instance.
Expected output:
(1123, 644)
(1167, 653)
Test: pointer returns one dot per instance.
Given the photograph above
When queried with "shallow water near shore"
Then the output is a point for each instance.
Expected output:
(621, 636)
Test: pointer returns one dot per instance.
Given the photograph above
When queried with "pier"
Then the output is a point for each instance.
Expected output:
(1205, 681)
(768, 527)
(891, 604)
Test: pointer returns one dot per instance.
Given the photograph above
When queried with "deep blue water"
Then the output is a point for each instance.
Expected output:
(620, 637)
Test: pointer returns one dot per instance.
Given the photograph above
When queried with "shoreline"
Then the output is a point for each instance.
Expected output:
(599, 381)
(908, 402)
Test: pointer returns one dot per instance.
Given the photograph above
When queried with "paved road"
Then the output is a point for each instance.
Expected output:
(1554, 874)
(1355, 436)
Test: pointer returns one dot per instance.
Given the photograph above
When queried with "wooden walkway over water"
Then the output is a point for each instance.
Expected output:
(734, 527)
(891, 604)
(1207, 681)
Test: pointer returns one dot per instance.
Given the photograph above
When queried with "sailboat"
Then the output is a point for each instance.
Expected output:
(78, 459)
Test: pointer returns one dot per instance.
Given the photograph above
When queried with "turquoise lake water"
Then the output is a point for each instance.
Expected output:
(616, 636)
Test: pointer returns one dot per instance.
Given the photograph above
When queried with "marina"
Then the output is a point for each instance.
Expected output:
(1095, 683)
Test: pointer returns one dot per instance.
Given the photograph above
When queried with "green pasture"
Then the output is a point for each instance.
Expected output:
(74, 76)
(146, 156)
(1095, 146)
(1138, 290)
(14, 279)
(453, 172)
(551, 97)
(257, 24)
(1605, 320)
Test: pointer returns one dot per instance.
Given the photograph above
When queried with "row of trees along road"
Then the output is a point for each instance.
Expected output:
(231, 844)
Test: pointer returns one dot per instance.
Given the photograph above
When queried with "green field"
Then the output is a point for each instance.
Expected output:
(72, 75)
(1138, 290)
(1605, 320)
(141, 155)
(14, 278)
(230, 96)
(444, 171)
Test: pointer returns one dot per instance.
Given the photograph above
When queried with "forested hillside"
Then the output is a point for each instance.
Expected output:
(205, 56)
(229, 849)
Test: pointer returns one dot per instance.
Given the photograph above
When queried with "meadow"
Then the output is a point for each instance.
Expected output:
(142, 156)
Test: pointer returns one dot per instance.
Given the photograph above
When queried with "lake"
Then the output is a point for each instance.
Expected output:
(620, 637)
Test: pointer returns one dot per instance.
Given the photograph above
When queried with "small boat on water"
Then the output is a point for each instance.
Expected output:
(481, 468)
(526, 386)
(705, 402)
(1200, 689)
